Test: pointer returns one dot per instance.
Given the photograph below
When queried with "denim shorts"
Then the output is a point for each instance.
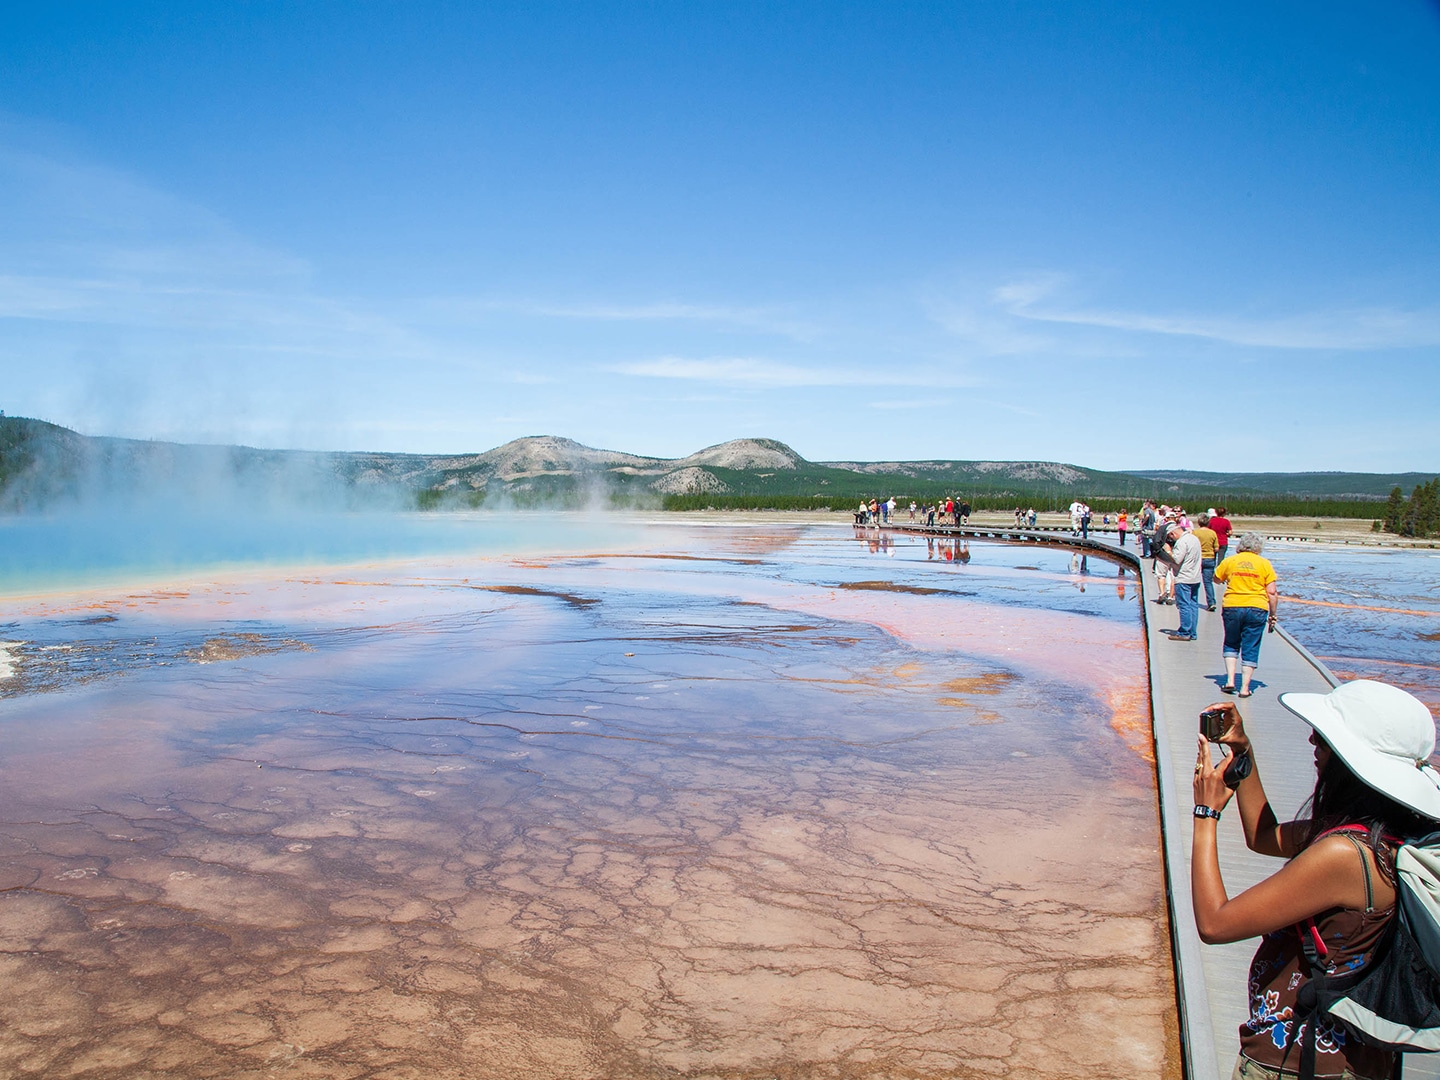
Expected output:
(1244, 630)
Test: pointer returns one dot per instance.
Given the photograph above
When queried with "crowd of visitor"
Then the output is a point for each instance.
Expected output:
(1188, 557)
(876, 513)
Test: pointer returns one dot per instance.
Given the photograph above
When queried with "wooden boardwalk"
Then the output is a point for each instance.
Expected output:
(1185, 677)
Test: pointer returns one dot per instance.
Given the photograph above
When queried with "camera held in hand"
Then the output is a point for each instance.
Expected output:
(1214, 723)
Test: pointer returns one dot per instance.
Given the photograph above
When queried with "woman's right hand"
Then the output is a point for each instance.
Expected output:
(1233, 734)
(1210, 789)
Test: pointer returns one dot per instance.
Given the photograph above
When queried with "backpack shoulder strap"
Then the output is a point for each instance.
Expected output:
(1312, 946)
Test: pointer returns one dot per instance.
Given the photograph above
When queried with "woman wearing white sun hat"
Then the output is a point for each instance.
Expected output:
(1372, 745)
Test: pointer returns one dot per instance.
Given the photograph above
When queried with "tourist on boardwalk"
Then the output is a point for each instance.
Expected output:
(1163, 568)
(1221, 524)
(1209, 544)
(1164, 576)
(1251, 604)
(1121, 523)
(1183, 554)
(1339, 884)
(1148, 521)
(1085, 521)
(965, 513)
(1031, 517)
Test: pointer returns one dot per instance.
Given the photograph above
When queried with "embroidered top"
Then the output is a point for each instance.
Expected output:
(1272, 1037)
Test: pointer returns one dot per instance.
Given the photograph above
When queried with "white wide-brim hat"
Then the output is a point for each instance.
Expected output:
(1383, 734)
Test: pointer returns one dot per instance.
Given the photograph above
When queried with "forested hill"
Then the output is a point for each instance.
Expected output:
(43, 465)
(1330, 485)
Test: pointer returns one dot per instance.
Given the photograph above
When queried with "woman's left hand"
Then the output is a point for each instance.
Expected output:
(1210, 789)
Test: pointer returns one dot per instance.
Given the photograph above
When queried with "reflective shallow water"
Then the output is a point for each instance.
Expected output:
(732, 802)
(124, 546)
(1368, 613)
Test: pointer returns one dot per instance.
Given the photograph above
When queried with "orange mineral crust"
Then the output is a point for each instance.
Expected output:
(592, 817)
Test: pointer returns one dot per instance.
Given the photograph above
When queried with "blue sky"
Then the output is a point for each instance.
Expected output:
(1201, 236)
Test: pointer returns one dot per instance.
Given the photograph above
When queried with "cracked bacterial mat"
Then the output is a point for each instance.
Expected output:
(735, 825)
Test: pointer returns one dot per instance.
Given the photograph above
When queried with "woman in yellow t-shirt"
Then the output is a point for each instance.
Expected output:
(1251, 603)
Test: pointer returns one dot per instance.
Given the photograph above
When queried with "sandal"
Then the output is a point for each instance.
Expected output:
(1227, 688)
(1245, 693)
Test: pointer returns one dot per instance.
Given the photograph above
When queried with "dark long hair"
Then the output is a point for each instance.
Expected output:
(1342, 798)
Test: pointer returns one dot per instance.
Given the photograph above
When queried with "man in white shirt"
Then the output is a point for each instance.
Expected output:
(1185, 555)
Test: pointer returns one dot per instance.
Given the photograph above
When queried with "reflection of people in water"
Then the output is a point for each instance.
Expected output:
(929, 547)
(1120, 583)
(963, 554)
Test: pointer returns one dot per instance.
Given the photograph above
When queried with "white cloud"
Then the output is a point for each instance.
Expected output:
(926, 403)
(87, 250)
(1034, 300)
(768, 320)
(756, 372)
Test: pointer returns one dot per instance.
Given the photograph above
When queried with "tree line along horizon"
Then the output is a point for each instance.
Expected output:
(1419, 515)
(1415, 516)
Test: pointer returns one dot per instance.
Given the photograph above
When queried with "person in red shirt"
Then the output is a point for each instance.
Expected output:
(1222, 527)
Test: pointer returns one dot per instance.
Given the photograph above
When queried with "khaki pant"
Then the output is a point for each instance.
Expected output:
(1245, 1069)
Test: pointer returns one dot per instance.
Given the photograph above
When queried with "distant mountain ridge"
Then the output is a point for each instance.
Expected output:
(43, 464)
(1336, 485)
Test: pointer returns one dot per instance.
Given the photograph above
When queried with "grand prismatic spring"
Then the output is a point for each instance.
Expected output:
(703, 801)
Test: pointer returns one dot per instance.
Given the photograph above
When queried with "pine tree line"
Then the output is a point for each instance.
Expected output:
(1418, 515)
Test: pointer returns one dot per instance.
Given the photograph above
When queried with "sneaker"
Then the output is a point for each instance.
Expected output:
(1209, 607)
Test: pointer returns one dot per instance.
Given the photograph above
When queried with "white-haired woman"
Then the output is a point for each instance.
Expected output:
(1251, 605)
(1372, 788)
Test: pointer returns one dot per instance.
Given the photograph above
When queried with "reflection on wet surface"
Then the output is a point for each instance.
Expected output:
(1369, 614)
(802, 816)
